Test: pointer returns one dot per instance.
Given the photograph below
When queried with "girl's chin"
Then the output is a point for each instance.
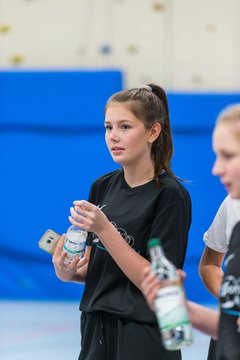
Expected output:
(234, 194)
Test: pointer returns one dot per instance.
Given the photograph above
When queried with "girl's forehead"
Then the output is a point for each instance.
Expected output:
(119, 111)
(227, 130)
(226, 138)
(230, 127)
(116, 106)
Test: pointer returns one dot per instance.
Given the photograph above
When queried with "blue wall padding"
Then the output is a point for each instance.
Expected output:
(197, 112)
(52, 148)
(55, 99)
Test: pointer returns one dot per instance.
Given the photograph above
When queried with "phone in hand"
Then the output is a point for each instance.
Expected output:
(49, 241)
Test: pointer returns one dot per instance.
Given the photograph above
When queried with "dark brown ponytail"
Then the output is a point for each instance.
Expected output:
(162, 148)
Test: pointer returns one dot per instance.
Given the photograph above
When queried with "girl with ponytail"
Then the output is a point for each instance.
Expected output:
(126, 208)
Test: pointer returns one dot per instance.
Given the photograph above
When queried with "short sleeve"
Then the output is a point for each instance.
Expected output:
(171, 225)
(216, 236)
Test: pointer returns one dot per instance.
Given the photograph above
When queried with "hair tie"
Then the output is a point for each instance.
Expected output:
(146, 87)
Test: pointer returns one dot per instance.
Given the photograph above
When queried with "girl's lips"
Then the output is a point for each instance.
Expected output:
(116, 151)
(116, 148)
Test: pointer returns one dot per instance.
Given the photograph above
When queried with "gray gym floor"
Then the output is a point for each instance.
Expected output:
(50, 330)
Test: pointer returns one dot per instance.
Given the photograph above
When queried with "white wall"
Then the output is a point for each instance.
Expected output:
(181, 44)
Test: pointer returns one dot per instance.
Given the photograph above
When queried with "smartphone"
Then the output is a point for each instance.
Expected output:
(49, 241)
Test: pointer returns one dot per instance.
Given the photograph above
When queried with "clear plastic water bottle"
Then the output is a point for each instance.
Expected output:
(170, 303)
(75, 243)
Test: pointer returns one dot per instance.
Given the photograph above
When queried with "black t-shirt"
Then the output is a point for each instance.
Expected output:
(139, 214)
(228, 347)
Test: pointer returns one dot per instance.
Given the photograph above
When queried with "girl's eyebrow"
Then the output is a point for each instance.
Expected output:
(118, 121)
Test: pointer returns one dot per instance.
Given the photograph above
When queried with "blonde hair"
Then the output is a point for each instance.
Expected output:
(230, 115)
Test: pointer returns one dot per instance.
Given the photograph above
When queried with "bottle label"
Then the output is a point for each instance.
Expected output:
(74, 244)
(73, 249)
(171, 308)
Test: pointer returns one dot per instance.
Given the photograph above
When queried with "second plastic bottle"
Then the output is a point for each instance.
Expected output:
(170, 303)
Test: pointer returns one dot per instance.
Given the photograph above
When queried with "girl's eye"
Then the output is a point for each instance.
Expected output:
(227, 156)
(125, 127)
(108, 127)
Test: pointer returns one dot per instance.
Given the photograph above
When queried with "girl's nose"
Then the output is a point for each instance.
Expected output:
(114, 135)
(217, 168)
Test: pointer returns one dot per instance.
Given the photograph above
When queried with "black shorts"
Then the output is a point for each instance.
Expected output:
(108, 337)
(212, 351)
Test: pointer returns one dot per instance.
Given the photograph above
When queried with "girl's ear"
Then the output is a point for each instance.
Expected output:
(154, 132)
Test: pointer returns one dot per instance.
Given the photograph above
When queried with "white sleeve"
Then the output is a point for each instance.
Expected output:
(216, 236)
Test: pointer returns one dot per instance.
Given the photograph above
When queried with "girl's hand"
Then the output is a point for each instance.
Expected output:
(88, 216)
(151, 284)
(182, 275)
(65, 272)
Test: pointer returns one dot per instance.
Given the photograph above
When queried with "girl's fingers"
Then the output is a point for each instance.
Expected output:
(76, 263)
(182, 275)
(72, 265)
(149, 283)
(74, 222)
(147, 270)
(83, 204)
(78, 202)
(59, 246)
(82, 262)
(76, 213)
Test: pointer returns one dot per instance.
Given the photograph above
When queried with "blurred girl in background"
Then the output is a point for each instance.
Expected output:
(226, 145)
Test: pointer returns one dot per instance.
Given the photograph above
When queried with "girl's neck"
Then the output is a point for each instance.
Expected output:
(137, 177)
